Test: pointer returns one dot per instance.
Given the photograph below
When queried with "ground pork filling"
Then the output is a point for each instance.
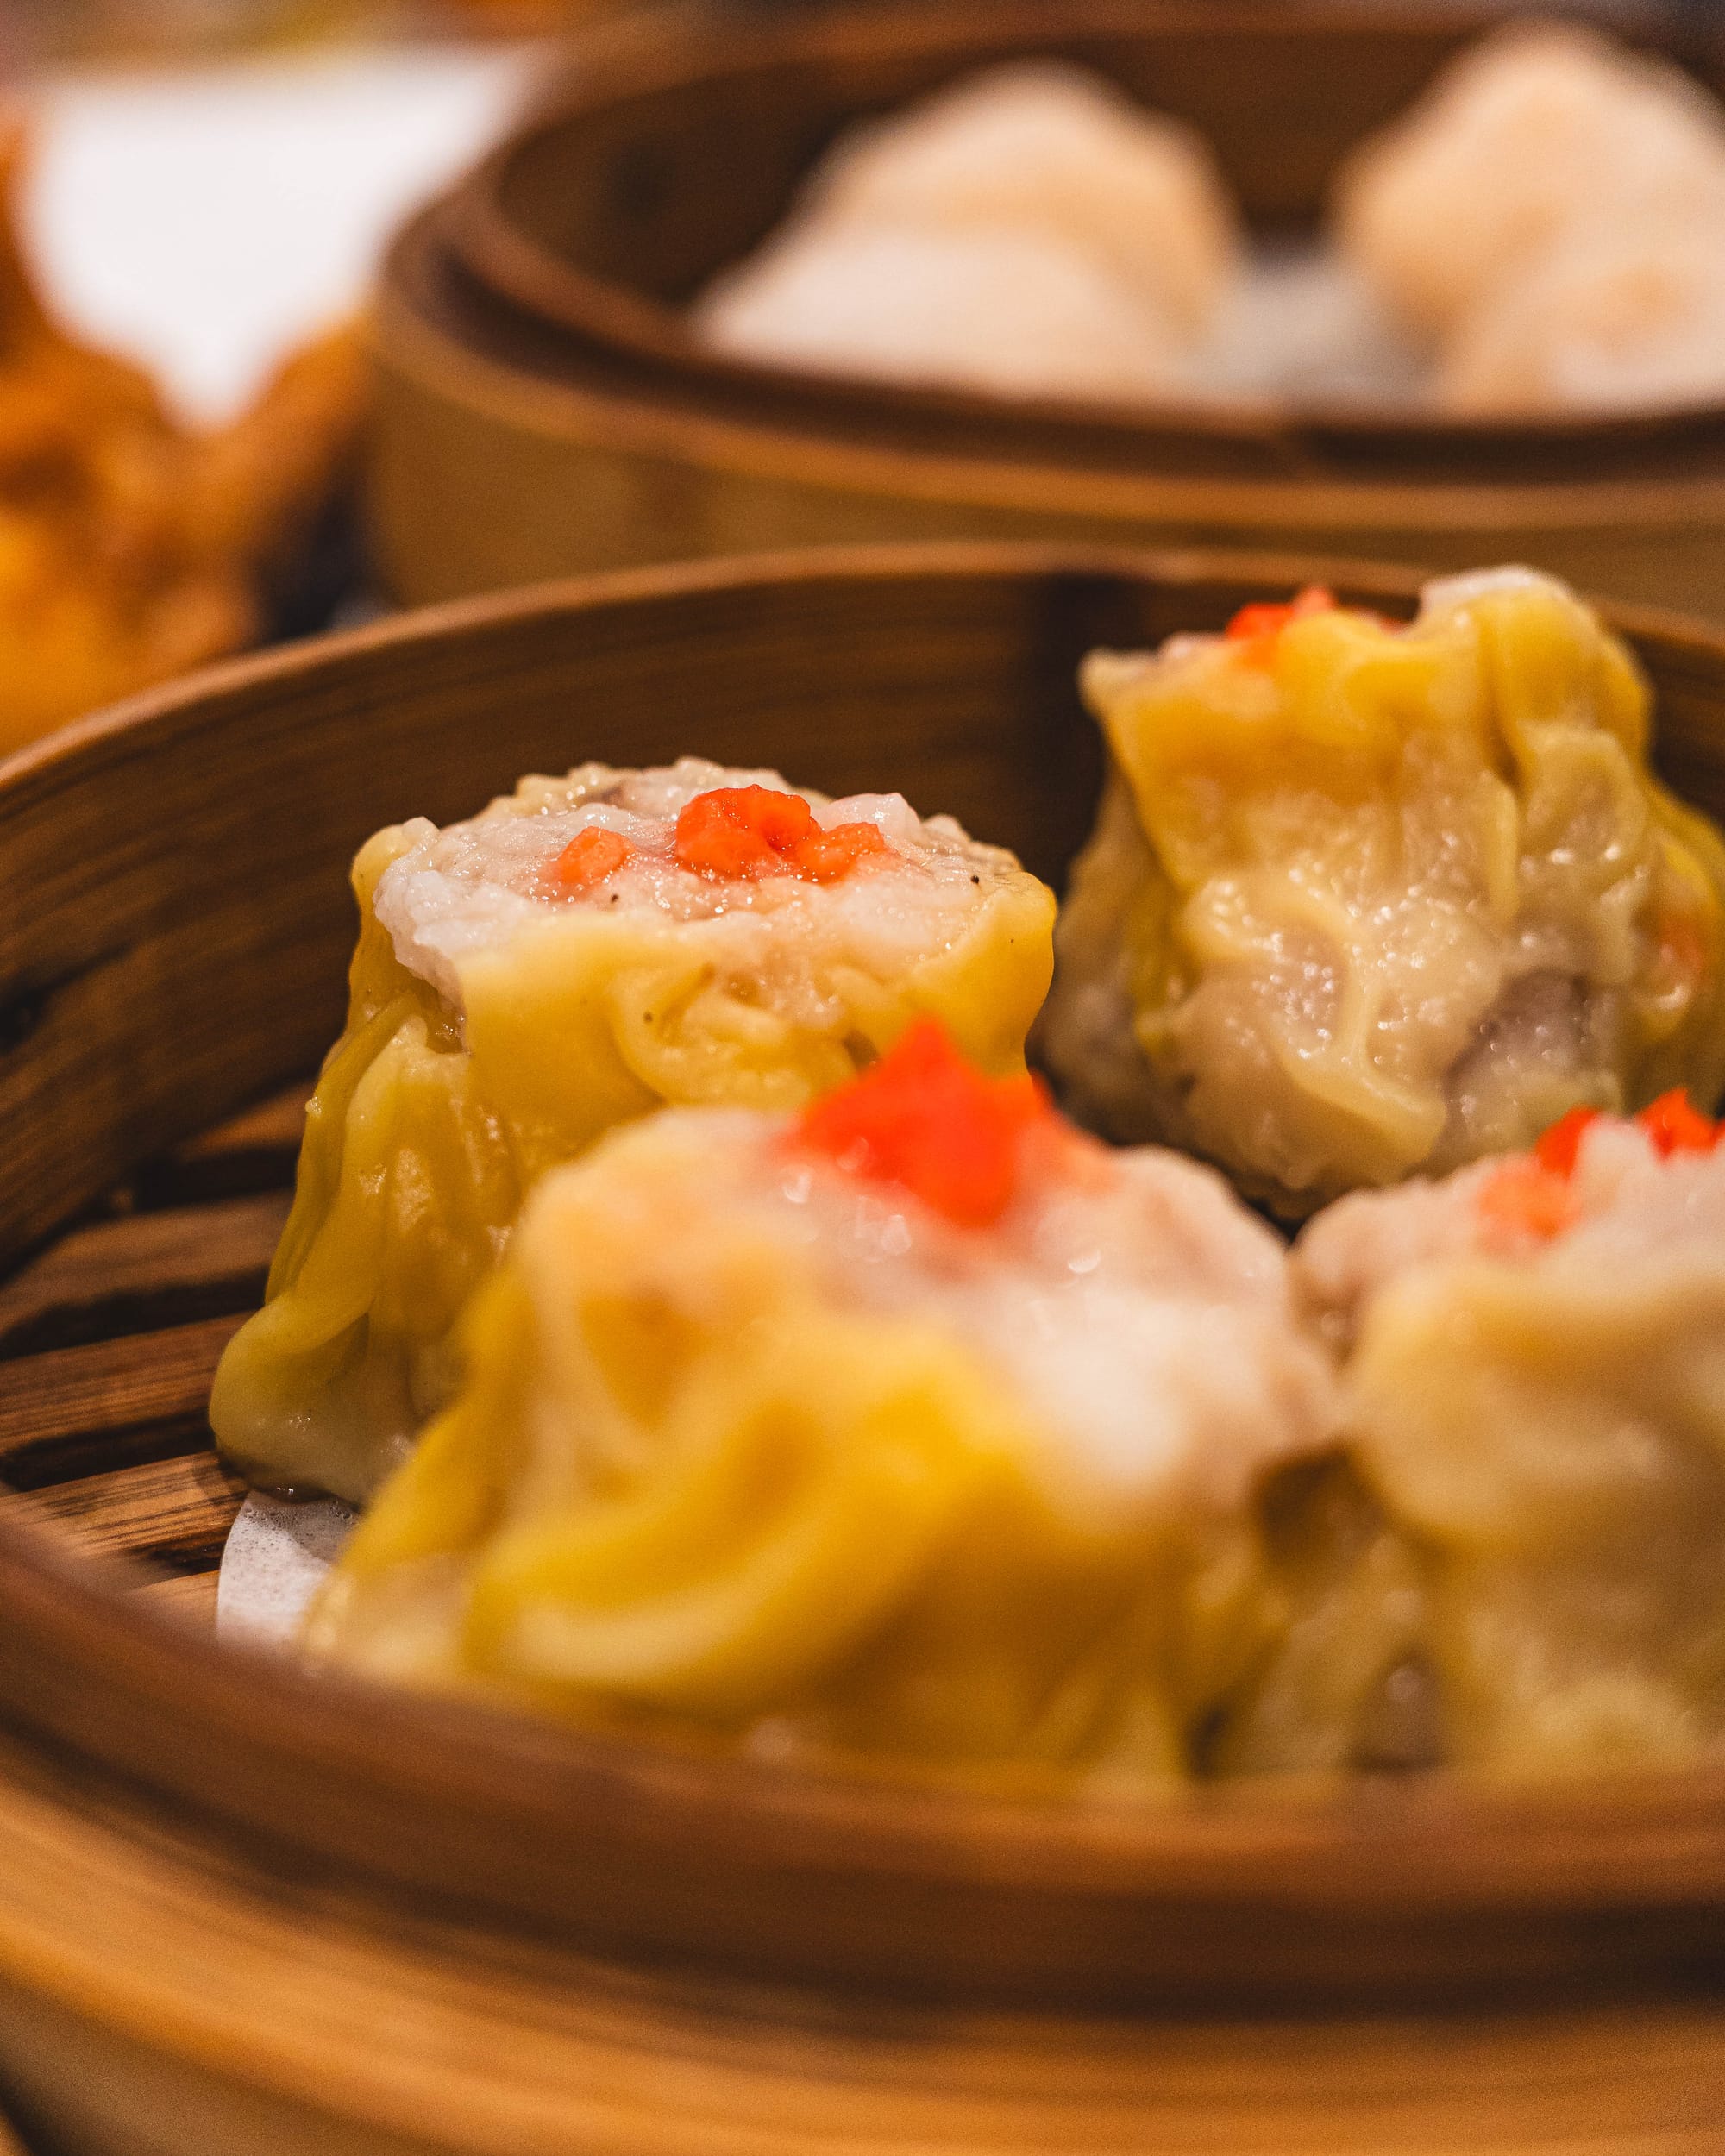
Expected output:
(865, 877)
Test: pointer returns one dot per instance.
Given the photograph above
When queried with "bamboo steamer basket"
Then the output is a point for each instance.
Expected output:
(545, 410)
(241, 1909)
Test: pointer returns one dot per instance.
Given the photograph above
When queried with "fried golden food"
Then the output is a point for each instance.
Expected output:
(131, 548)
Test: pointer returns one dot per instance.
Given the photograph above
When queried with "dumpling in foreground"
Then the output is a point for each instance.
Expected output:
(1536, 1396)
(583, 951)
(1365, 899)
(917, 1423)
(1028, 232)
(1543, 129)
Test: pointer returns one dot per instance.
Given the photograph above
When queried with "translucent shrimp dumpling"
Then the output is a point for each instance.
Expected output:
(1537, 131)
(1055, 151)
(1030, 231)
(581, 953)
(1535, 1395)
(915, 1423)
(1631, 319)
(1012, 314)
(1366, 899)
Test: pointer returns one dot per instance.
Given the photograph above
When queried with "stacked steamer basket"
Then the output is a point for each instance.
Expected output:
(243, 1909)
(546, 408)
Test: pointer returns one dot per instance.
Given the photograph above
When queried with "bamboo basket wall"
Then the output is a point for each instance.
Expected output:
(545, 409)
(243, 1910)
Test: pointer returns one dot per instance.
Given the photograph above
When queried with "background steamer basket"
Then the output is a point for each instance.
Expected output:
(544, 408)
(241, 1909)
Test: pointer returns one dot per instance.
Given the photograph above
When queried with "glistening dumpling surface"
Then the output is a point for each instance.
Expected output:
(1365, 901)
(920, 1423)
(1536, 1395)
(585, 950)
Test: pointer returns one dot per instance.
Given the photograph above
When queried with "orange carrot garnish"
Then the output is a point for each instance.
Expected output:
(589, 859)
(1557, 1151)
(1263, 619)
(1527, 1203)
(925, 1119)
(750, 831)
(1676, 1126)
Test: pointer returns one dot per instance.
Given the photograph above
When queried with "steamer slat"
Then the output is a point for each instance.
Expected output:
(175, 1512)
(140, 1272)
(253, 1151)
(147, 1392)
(108, 1341)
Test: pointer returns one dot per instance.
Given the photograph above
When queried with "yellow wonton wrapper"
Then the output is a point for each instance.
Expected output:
(1536, 1396)
(1555, 1451)
(1363, 900)
(430, 1122)
(690, 1474)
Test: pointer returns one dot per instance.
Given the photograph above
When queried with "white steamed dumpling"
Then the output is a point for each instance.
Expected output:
(1537, 131)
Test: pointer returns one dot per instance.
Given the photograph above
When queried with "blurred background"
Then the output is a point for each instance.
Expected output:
(195, 193)
(207, 180)
(99, 28)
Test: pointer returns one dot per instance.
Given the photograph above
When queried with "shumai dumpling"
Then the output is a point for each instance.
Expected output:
(1629, 319)
(1539, 130)
(1535, 1395)
(585, 951)
(1366, 899)
(916, 1422)
(1029, 232)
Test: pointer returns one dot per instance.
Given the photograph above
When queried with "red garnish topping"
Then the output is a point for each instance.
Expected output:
(1530, 1196)
(740, 830)
(1526, 1201)
(589, 858)
(829, 856)
(1676, 1127)
(1261, 620)
(925, 1119)
(750, 831)
(1558, 1150)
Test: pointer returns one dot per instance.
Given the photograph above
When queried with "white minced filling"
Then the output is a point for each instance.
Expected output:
(1141, 1313)
(1633, 1208)
(474, 886)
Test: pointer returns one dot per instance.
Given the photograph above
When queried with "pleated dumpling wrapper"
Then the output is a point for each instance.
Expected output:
(918, 1423)
(1367, 899)
(1535, 1393)
(585, 951)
